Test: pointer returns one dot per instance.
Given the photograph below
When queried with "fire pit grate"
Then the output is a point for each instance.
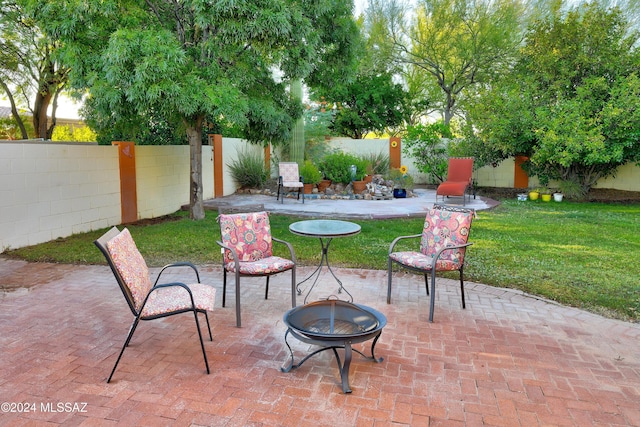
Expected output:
(334, 324)
(338, 327)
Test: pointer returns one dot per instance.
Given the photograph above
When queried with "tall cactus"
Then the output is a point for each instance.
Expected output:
(296, 148)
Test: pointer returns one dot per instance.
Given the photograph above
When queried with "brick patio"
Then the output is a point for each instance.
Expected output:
(507, 360)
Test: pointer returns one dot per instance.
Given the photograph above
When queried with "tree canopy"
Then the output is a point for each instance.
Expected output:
(456, 44)
(572, 101)
(191, 62)
(30, 75)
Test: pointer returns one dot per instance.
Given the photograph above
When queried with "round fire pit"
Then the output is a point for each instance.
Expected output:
(334, 324)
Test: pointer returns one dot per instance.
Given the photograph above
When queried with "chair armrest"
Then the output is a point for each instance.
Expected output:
(447, 248)
(293, 255)
(168, 285)
(397, 239)
(233, 254)
(178, 264)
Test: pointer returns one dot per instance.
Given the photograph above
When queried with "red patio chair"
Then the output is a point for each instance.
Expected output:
(442, 248)
(459, 179)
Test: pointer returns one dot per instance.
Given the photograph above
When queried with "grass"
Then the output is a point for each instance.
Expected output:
(578, 254)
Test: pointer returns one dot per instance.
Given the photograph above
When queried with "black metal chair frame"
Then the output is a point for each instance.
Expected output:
(101, 243)
(432, 271)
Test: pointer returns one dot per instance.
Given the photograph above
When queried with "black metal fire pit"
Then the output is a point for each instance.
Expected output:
(334, 324)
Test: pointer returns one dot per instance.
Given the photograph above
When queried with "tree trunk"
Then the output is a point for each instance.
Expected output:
(194, 134)
(40, 106)
(14, 112)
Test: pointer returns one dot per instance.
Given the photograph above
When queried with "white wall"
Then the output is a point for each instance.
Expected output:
(55, 190)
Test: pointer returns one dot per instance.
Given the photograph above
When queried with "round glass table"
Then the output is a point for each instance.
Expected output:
(325, 230)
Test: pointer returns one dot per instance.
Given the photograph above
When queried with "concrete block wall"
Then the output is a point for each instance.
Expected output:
(52, 190)
(162, 174)
(49, 191)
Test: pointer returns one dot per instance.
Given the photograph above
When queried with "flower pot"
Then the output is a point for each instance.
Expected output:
(399, 193)
(323, 185)
(557, 197)
(522, 197)
(368, 179)
(359, 186)
(546, 197)
(533, 195)
(308, 188)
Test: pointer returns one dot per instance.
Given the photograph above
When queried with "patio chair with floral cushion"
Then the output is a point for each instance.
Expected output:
(148, 301)
(459, 179)
(443, 244)
(247, 242)
(289, 177)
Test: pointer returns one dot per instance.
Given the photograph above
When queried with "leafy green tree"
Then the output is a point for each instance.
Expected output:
(370, 103)
(190, 62)
(424, 143)
(457, 44)
(30, 74)
(572, 102)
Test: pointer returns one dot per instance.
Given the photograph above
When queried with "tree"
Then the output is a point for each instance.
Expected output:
(190, 62)
(371, 103)
(456, 43)
(572, 102)
(29, 70)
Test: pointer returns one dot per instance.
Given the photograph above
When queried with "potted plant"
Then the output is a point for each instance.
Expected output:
(402, 181)
(545, 194)
(534, 194)
(311, 176)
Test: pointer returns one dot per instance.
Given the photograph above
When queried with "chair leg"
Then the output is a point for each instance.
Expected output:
(426, 282)
(224, 286)
(206, 316)
(293, 287)
(302, 197)
(462, 289)
(238, 317)
(266, 291)
(432, 304)
(132, 329)
(389, 273)
(204, 354)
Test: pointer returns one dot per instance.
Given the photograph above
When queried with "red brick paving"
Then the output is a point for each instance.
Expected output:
(509, 359)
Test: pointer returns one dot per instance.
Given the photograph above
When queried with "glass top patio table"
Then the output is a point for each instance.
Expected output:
(328, 228)
(325, 230)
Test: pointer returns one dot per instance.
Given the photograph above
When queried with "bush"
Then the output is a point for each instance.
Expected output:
(337, 167)
(424, 144)
(310, 173)
(249, 170)
(377, 164)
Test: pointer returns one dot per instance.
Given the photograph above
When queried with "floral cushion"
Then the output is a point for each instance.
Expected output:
(270, 265)
(130, 265)
(445, 228)
(175, 298)
(249, 234)
(422, 262)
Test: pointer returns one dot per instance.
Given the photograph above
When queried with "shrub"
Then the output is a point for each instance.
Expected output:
(249, 170)
(377, 164)
(424, 144)
(337, 167)
(310, 173)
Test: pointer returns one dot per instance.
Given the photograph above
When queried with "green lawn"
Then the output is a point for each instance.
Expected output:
(579, 254)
